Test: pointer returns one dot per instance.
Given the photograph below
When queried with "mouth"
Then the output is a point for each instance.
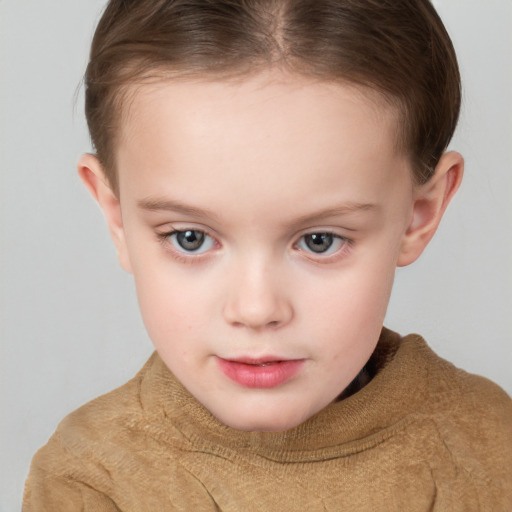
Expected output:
(263, 373)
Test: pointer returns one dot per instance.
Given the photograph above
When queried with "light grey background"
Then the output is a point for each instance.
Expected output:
(69, 324)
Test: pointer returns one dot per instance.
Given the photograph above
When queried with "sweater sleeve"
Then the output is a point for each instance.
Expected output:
(62, 479)
(478, 434)
(53, 493)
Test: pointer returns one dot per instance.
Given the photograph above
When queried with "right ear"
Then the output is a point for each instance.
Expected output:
(93, 176)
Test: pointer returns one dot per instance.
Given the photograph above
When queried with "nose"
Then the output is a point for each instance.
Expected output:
(257, 297)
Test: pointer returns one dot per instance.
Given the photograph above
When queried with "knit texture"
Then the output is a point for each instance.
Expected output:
(422, 435)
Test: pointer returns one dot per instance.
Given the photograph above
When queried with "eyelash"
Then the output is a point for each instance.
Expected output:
(183, 256)
(323, 257)
(196, 257)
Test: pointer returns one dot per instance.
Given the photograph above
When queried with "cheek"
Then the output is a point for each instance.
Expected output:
(172, 303)
(350, 306)
(361, 290)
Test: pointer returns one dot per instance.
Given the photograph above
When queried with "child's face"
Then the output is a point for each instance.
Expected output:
(263, 222)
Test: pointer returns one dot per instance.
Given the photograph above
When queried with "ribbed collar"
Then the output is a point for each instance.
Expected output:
(348, 426)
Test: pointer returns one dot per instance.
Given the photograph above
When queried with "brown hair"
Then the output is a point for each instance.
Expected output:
(399, 48)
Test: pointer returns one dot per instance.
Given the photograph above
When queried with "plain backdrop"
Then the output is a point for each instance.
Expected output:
(70, 327)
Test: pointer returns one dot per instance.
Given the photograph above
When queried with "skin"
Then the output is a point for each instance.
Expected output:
(257, 165)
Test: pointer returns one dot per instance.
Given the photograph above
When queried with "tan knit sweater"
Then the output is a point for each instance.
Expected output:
(421, 436)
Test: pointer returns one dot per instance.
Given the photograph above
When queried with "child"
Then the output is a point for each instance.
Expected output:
(264, 166)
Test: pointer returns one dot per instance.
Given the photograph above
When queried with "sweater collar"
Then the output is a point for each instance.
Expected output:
(344, 427)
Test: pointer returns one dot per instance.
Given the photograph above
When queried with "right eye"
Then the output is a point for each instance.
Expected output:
(191, 241)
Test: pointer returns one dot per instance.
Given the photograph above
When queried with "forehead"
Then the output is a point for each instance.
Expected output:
(259, 126)
(297, 96)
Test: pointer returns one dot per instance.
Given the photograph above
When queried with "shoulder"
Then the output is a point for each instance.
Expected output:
(99, 423)
(472, 415)
(115, 438)
(416, 382)
(105, 419)
(464, 394)
(476, 410)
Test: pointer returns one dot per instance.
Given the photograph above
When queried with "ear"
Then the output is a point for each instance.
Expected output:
(430, 202)
(93, 176)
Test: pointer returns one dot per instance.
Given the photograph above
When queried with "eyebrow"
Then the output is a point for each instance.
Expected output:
(163, 204)
(344, 209)
(157, 204)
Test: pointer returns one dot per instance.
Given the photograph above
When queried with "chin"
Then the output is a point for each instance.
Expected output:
(277, 424)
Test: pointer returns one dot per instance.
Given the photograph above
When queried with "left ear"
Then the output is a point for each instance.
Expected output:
(430, 202)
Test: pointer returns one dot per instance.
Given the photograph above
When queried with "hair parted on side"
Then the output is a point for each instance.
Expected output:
(399, 48)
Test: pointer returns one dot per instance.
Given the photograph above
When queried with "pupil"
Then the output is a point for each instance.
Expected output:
(319, 242)
(190, 240)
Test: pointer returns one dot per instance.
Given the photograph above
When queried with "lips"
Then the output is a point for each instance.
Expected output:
(263, 373)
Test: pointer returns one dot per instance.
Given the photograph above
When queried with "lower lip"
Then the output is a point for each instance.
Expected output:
(257, 376)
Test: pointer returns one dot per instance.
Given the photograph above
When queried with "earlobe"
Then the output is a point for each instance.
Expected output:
(93, 176)
(430, 203)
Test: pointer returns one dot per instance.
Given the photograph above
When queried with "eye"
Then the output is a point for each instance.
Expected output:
(191, 241)
(321, 243)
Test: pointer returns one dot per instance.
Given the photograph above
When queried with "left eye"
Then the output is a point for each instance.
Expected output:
(321, 243)
(191, 241)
